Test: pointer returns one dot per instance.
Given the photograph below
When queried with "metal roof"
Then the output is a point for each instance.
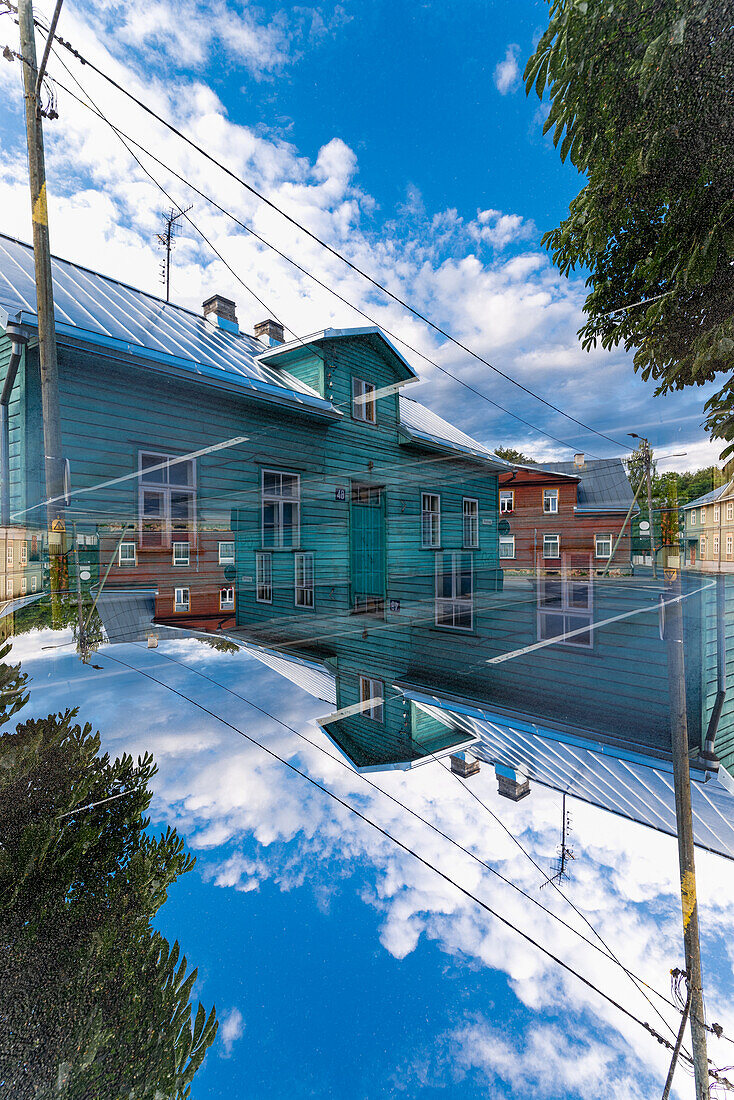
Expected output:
(424, 426)
(279, 350)
(707, 498)
(603, 485)
(103, 311)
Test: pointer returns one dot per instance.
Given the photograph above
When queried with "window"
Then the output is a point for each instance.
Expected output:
(23, 586)
(470, 509)
(550, 500)
(181, 553)
(729, 545)
(730, 509)
(10, 553)
(226, 553)
(507, 546)
(454, 590)
(304, 580)
(364, 405)
(181, 599)
(603, 546)
(264, 578)
(24, 553)
(693, 517)
(9, 588)
(167, 498)
(565, 602)
(34, 581)
(507, 500)
(372, 692)
(716, 546)
(551, 546)
(703, 546)
(127, 554)
(703, 515)
(226, 599)
(430, 519)
(281, 509)
(716, 513)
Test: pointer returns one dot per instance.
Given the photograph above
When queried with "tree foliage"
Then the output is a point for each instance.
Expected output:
(511, 455)
(95, 1003)
(642, 102)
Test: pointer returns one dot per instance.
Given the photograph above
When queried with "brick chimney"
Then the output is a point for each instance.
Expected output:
(269, 332)
(579, 460)
(221, 312)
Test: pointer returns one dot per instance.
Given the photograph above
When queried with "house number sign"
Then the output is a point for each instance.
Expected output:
(394, 605)
(340, 494)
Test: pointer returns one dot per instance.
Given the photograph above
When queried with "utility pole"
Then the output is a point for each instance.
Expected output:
(646, 455)
(684, 820)
(167, 239)
(44, 294)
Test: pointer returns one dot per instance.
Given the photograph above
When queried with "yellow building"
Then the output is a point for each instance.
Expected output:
(709, 531)
(21, 563)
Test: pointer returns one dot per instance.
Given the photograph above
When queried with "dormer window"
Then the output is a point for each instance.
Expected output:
(364, 406)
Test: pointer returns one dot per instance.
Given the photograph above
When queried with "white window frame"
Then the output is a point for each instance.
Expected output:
(432, 516)
(703, 516)
(226, 603)
(223, 558)
(279, 500)
(179, 558)
(34, 581)
(182, 604)
(552, 557)
(125, 562)
(702, 547)
(504, 493)
(693, 517)
(717, 513)
(606, 538)
(550, 499)
(364, 405)
(263, 576)
(23, 586)
(372, 689)
(565, 612)
(24, 553)
(729, 545)
(470, 516)
(716, 546)
(303, 585)
(9, 588)
(730, 509)
(9, 554)
(507, 540)
(158, 482)
(456, 603)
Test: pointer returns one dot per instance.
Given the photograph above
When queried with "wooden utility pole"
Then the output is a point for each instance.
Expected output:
(684, 820)
(648, 478)
(44, 296)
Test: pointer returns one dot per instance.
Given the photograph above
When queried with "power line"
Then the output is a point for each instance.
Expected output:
(338, 255)
(403, 846)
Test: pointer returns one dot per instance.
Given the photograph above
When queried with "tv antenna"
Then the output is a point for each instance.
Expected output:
(168, 240)
(559, 867)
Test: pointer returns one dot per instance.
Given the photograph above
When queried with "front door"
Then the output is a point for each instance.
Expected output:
(368, 547)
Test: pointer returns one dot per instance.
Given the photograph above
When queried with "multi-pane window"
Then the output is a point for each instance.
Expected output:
(716, 546)
(24, 553)
(23, 586)
(693, 517)
(181, 553)
(430, 519)
(550, 500)
(264, 578)
(226, 599)
(454, 590)
(507, 546)
(304, 580)
(364, 404)
(703, 546)
(127, 554)
(716, 513)
(372, 692)
(470, 508)
(10, 553)
(507, 500)
(281, 508)
(565, 602)
(181, 599)
(551, 546)
(226, 553)
(603, 546)
(167, 499)
(703, 515)
(729, 545)
(33, 583)
(9, 588)
(730, 509)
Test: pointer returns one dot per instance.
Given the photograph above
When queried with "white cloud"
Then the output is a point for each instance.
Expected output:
(231, 1028)
(507, 71)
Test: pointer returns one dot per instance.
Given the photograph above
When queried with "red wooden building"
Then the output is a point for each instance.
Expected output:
(579, 507)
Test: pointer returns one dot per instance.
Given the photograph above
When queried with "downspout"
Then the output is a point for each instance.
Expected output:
(708, 748)
(18, 341)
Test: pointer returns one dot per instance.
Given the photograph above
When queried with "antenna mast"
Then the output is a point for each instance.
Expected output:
(168, 240)
(559, 867)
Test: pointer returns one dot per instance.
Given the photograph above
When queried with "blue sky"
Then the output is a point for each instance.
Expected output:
(399, 132)
(339, 966)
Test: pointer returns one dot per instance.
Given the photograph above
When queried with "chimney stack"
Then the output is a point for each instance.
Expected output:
(578, 460)
(269, 332)
(221, 312)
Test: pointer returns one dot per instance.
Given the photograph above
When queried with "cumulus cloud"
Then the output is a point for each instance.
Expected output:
(500, 229)
(231, 1028)
(507, 71)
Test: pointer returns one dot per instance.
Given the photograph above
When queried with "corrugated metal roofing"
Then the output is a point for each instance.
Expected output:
(426, 426)
(604, 484)
(707, 498)
(101, 310)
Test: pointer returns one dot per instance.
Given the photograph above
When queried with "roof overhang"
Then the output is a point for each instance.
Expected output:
(431, 443)
(283, 354)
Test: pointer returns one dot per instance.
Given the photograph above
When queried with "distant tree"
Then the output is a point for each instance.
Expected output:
(94, 1003)
(223, 645)
(642, 104)
(12, 684)
(511, 455)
